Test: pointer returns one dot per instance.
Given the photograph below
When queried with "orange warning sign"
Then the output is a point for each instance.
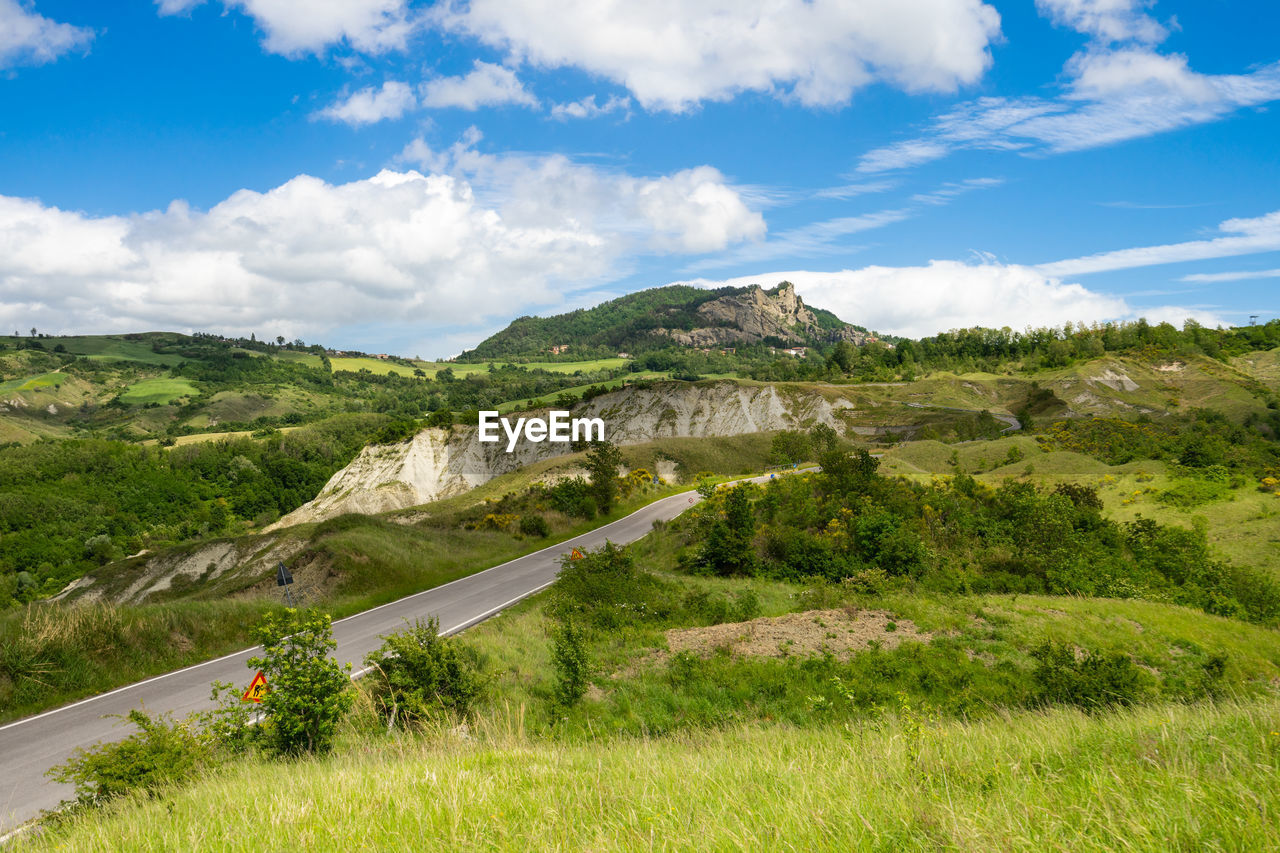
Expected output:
(575, 555)
(257, 689)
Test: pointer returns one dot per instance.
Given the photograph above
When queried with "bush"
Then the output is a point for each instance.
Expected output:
(420, 673)
(604, 590)
(1094, 680)
(573, 498)
(396, 432)
(569, 657)
(535, 525)
(162, 752)
(309, 691)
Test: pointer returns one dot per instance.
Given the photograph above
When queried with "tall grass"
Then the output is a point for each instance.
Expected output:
(1156, 778)
(50, 653)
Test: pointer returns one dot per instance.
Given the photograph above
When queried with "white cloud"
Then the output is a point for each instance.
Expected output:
(674, 54)
(28, 38)
(847, 191)
(1242, 275)
(1114, 96)
(294, 27)
(1244, 237)
(949, 191)
(1106, 20)
(371, 105)
(944, 295)
(693, 210)
(398, 248)
(486, 86)
(588, 108)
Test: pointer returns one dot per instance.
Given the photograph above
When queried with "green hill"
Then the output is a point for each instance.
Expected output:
(653, 319)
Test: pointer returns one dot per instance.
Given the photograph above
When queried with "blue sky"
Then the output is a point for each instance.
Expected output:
(389, 175)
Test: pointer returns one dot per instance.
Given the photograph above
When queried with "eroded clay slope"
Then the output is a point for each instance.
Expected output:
(438, 463)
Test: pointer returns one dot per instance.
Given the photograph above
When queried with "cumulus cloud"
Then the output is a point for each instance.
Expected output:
(27, 38)
(371, 105)
(487, 85)
(293, 27)
(588, 108)
(674, 54)
(1243, 236)
(924, 300)
(400, 247)
(1105, 20)
(1114, 96)
(693, 210)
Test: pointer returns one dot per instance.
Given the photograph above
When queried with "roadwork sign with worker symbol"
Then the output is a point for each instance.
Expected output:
(257, 689)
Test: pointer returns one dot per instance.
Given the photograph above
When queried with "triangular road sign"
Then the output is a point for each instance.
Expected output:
(575, 554)
(257, 689)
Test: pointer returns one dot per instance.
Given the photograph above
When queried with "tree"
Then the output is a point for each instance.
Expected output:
(279, 340)
(790, 446)
(843, 357)
(728, 549)
(33, 331)
(602, 462)
(309, 691)
(844, 471)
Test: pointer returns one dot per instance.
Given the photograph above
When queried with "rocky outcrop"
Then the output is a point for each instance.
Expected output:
(438, 463)
(757, 314)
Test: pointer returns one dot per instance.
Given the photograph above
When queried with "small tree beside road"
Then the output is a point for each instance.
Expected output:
(309, 691)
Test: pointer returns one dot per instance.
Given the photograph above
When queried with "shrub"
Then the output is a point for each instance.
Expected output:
(396, 432)
(797, 554)
(604, 590)
(569, 657)
(535, 525)
(420, 673)
(161, 752)
(1094, 680)
(573, 498)
(309, 691)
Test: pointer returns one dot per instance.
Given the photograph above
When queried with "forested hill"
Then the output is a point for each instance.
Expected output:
(680, 314)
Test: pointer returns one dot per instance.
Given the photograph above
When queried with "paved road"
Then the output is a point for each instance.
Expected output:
(31, 746)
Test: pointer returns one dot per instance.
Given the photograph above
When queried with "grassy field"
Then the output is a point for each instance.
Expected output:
(105, 348)
(162, 391)
(34, 383)
(1152, 779)
(245, 406)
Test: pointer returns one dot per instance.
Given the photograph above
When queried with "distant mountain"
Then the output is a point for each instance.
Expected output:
(677, 314)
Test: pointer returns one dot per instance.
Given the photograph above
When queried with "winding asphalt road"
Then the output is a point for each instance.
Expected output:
(29, 747)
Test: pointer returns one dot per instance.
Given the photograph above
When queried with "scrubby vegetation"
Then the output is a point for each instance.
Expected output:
(958, 535)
